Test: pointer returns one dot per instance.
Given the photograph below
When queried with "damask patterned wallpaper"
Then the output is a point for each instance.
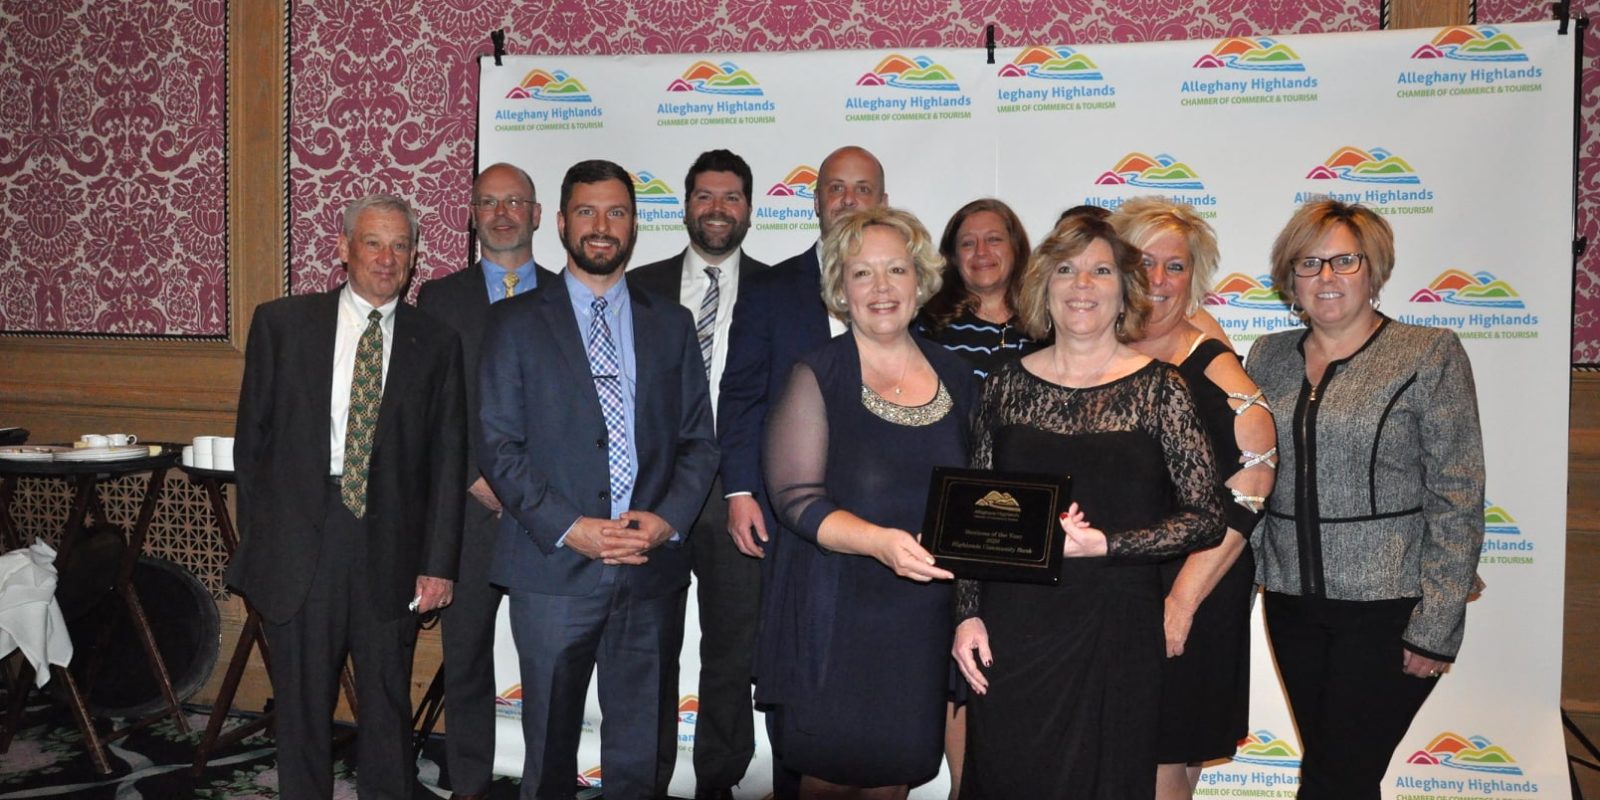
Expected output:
(113, 167)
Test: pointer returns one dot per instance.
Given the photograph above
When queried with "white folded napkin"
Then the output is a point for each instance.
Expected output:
(30, 618)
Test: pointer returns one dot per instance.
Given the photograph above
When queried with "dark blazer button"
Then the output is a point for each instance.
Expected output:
(604, 495)
(600, 443)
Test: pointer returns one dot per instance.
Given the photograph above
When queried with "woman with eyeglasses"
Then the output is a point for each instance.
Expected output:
(1371, 539)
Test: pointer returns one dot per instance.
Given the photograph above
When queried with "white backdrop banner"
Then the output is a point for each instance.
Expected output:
(1461, 137)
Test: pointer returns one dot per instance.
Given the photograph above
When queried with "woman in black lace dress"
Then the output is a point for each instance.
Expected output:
(1066, 677)
(1205, 681)
(855, 637)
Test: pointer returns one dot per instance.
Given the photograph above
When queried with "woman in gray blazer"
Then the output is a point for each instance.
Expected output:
(1372, 533)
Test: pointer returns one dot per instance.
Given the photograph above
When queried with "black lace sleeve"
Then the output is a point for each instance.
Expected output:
(796, 455)
(984, 421)
(1196, 522)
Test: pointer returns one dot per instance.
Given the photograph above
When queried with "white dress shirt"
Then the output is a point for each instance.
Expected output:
(692, 291)
(353, 313)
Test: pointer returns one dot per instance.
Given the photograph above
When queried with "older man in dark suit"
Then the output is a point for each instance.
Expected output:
(505, 213)
(597, 439)
(351, 457)
(706, 278)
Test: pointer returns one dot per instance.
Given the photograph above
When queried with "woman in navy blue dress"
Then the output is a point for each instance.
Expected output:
(853, 666)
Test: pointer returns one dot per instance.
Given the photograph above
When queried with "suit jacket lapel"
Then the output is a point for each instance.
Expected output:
(324, 326)
(649, 347)
(564, 332)
(403, 358)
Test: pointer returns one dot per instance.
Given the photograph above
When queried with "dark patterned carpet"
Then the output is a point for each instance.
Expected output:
(47, 759)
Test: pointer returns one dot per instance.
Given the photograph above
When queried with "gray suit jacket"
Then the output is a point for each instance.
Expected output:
(1379, 493)
(544, 440)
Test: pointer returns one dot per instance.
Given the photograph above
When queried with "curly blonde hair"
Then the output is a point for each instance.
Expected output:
(844, 241)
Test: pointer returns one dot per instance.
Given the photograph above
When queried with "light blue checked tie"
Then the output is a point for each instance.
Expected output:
(705, 328)
(607, 373)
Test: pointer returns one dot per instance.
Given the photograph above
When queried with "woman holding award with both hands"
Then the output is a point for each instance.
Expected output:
(1066, 677)
(852, 661)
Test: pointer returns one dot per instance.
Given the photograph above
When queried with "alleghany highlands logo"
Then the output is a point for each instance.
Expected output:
(900, 72)
(555, 86)
(649, 189)
(1260, 55)
(1462, 43)
(1364, 166)
(1474, 753)
(708, 78)
(1480, 290)
(1160, 172)
(1267, 749)
(1052, 63)
(1242, 291)
(688, 709)
(1499, 521)
(800, 182)
(590, 778)
(509, 702)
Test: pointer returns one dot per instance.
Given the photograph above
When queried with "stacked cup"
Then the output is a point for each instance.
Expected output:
(210, 452)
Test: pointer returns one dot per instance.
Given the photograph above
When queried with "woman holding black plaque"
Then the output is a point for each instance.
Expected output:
(852, 663)
(1066, 677)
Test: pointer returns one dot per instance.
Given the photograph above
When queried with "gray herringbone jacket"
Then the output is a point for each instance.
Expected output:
(1379, 492)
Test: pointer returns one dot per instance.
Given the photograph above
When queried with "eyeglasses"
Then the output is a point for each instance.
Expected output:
(489, 204)
(1343, 264)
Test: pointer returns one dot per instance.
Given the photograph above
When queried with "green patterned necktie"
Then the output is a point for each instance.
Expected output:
(366, 392)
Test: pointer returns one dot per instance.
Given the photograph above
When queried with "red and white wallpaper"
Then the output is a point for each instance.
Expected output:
(113, 171)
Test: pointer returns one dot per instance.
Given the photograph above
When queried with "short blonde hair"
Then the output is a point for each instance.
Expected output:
(844, 241)
(1142, 220)
(1072, 236)
(1312, 221)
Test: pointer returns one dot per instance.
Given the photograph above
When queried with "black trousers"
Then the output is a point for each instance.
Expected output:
(309, 650)
(467, 626)
(728, 586)
(1340, 661)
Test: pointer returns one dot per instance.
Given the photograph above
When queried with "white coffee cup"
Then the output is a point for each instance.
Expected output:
(188, 455)
(222, 453)
(203, 451)
(122, 439)
(95, 440)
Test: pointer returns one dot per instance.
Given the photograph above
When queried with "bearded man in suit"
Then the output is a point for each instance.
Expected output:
(597, 439)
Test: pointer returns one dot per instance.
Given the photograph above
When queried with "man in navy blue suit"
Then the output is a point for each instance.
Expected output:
(505, 213)
(597, 439)
(780, 317)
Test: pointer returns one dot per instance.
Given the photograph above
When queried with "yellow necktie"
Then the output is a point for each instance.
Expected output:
(510, 280)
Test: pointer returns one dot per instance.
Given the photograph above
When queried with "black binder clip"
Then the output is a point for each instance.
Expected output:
(499, 39)
(988, 41)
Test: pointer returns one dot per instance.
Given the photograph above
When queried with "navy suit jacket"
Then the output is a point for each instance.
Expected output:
(779, 318)
(544, 440)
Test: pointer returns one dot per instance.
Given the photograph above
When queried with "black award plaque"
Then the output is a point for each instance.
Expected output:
(997, 526)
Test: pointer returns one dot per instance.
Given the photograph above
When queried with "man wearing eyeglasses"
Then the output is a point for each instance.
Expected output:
(505, 214)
